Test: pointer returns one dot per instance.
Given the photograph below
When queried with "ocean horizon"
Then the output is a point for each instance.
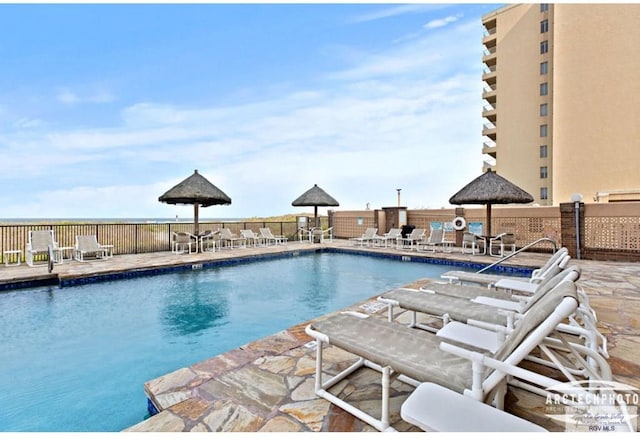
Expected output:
(117, 220)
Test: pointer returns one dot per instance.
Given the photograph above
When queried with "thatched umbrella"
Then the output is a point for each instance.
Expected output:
(196, 190)
(490, 188)
(315, 197)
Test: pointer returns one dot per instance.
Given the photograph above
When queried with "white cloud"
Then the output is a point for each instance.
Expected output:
(397, 10)
(438, 23)
(68, 97)
(406, 118)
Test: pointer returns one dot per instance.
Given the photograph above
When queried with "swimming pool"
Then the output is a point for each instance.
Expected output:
(76, 358)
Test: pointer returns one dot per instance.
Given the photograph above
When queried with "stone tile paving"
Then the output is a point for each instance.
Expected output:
(267, 385)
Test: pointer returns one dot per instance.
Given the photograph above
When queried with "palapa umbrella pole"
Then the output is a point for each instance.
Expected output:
(488, 220)
(196, 228)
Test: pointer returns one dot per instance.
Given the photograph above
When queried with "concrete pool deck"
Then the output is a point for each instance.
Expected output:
(267, 385)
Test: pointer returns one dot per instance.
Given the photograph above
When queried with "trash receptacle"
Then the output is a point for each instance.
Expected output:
(407, 229)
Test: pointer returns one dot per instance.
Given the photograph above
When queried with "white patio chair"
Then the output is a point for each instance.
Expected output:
(184, 242)
(87, 245)
(38, 245)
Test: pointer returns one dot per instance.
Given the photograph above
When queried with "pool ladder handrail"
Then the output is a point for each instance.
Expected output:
(543, 239)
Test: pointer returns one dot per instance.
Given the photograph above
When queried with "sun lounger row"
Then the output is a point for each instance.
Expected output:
(224, 238)
(416, 239)
(474, 353)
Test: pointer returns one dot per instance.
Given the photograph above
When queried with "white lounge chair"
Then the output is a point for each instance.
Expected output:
(413, 240)
(487, 308)
(463, 303)
(87, 245)
(436, 239)
(251, 238)
(271, 238)
(367, 237)
(390, 237)
(415, 357)
(227, 238)
(184, 242)
(38, 246)
(552, 266)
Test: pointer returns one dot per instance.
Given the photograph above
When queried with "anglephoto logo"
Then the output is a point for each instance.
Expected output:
(594, 406)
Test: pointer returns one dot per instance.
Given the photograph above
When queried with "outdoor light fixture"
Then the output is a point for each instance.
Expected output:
(576, 198)
(398, 190)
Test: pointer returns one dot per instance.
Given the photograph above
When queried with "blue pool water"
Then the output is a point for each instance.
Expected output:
(76, 359)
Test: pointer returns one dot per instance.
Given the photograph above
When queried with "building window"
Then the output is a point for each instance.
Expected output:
(544, 26)
(544, 7)
(543, 130)
(544, 195)
(544, 68)
(544, 89)
(544, 47)
(543, 109)
(543, 172)
(543, 151)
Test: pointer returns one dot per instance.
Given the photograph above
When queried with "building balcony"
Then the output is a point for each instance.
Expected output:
(491, 116)
(490, 37)
(490, 150)
(486, 166)
(489, 94)
(489, 74)
(490, 132)
(490, 103)
(490, 25)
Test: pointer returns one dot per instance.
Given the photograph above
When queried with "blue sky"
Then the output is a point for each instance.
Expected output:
(105, 107)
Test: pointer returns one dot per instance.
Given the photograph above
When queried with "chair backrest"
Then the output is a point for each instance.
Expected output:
(181, 237)
(225, 233)
(436, 235)
(417, 233)
(87, 243)
(571, 273)
(40, 240)
(370, 233)
(538, 323)
(508, 239)
(248, 234)
(553, 260)
(394, 233)
(552, 270)
(266, 232)
(468, 237)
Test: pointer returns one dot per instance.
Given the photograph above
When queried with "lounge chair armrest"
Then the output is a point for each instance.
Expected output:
(451, 279)
(477, 362)
(520, 299)
(483, 360)
(505, 305)
(488, 326)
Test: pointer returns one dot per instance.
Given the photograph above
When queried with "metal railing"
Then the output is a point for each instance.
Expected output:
(524, 248)
(126, 238)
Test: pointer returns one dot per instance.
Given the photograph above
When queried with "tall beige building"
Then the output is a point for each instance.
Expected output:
(562, 99)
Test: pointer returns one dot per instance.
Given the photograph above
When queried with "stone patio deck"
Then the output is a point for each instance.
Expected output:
(267, 385)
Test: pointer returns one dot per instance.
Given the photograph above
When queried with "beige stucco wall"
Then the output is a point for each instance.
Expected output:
(597, 99)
